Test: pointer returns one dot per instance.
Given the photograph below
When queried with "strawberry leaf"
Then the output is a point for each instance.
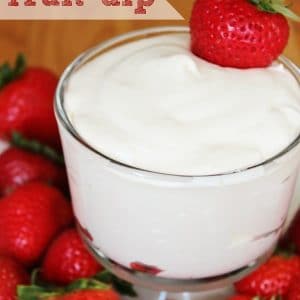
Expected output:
(34, 292)
(121, 286)
(18, 140)
(276, 6)
(284, 10)
(20, 65)
(8, 74)
(86, 284)
(263, 5)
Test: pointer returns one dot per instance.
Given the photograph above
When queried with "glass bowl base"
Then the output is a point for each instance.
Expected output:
(147, 294)
(171, 285)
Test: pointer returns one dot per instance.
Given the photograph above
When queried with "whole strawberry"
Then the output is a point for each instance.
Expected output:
(26, 106)
(294, 292)
(67, 260)
(18, 167)
(29, 218)
(11, 275)
(274, 278)
(239, 33)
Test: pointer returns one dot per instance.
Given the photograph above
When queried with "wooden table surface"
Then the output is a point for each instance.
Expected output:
(55, 43)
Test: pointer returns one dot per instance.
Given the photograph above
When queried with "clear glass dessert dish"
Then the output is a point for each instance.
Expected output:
(171, 232)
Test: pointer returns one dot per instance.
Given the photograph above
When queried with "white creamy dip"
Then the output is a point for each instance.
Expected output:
(152, 104)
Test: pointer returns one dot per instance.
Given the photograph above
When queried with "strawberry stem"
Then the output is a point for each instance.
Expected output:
(34, 276)
(276, 6)
(18, 140)
(8, 74)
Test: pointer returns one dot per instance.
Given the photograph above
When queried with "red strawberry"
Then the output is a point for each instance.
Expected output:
(88, 295)
(238, 33)
(18, 167)
(67, 259)
(11, 275)
(294, 292)
(26, 106)
(272, 278)
(240, 297)
(29, 218)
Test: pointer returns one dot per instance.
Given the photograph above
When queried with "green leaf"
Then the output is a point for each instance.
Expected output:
(85, 284)
(121, 286)
(18, 140)
(276, 6)
(20, 65)
(263, 5)
(8, 74)
(34, 292)
(255, 1)
(286, 12)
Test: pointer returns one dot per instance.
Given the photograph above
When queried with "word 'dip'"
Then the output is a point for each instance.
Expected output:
(139, 5)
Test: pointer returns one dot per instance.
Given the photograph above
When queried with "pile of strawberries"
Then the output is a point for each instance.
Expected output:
(41, 253)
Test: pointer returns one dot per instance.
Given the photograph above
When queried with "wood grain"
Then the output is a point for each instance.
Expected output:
(55, 43)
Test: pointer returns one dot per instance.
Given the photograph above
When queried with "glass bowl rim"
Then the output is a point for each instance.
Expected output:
(63, 119)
